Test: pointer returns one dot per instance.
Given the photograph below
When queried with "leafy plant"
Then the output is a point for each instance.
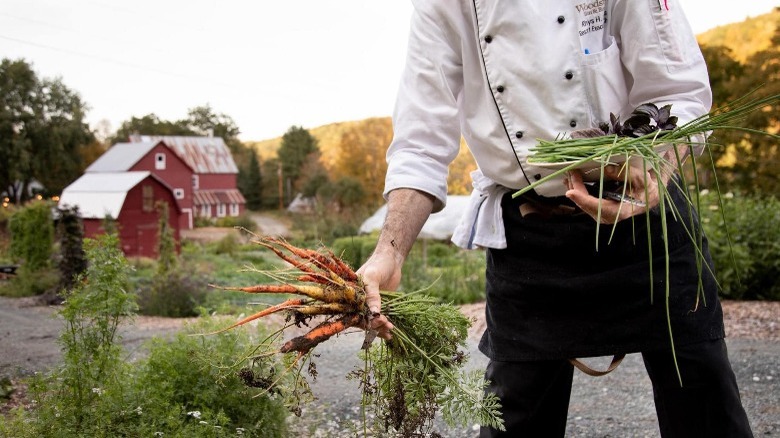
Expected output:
(92, 311)
(749, 268)
(32, 235)
(195, 379)
(73, 259)
(176, 294)
(28, 283)
(183, 388)
(423, 357)
(243, 221)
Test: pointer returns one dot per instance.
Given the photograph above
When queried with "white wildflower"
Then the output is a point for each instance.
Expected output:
(194, 414)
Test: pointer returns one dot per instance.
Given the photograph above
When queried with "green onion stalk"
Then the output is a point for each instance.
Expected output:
(647, 145)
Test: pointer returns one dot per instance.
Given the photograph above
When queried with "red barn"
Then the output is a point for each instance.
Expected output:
(128, 197)
(198, 175)
(158, 159)
(215, 192)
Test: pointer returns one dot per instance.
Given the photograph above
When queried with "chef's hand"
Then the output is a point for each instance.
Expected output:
(382, 271)
(641, 190)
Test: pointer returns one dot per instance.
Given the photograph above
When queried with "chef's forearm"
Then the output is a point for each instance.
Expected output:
(407, 211)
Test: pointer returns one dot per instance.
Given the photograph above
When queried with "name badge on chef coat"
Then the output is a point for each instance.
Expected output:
(592, 19)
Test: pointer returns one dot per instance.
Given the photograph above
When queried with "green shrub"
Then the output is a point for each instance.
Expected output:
(355, 250)
(69, 400)
(227, 245)
(749, 269)
(177, 294)
(195, 378)
(443, 270)
(32, 235)
(201, 221)
(73, 259)
(5, 233)
(29, 283)
(243, 221)
(188, 387)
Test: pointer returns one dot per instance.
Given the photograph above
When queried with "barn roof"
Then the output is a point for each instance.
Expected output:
(213, 197)
(121, 157)
(101, 194)
(202, 154)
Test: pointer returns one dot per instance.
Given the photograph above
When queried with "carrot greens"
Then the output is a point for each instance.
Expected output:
(406, 381)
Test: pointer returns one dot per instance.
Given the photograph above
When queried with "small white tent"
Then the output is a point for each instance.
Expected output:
(439, 226)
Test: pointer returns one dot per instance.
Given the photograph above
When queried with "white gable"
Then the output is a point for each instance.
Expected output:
(100, 194)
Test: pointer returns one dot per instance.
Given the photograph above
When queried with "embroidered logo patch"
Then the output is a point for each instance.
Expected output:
(592, 18)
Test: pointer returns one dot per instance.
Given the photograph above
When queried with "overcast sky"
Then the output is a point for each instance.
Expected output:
(268, 65)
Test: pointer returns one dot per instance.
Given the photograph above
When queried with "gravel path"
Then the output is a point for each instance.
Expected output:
(617, 405)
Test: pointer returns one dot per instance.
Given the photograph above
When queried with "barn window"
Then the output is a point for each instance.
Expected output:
(148, 198)
(234, 209)
(159, 161)
(195, 182)
(221, 210)
(178, 193)
(205, 210)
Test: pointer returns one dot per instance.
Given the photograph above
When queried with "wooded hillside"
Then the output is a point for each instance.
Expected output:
(746, 38)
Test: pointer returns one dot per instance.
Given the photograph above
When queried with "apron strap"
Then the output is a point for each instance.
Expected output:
(591, 372)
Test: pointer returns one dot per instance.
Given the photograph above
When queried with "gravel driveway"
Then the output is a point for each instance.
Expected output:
(617, 405)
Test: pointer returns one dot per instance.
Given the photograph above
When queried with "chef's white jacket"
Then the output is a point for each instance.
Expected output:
(504, 73)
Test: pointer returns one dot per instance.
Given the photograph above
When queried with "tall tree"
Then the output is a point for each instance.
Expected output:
(250, 183)
(200, 121)
(204, 121)
(149, 124)
(362, 155)
(748, 161)
(42, 131)
(297, 144)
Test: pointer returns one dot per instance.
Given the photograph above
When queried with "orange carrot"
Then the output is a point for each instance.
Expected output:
(322, 332)
(291, 303)
(322, 293)
(261, 288)
(296, 263)
(320, 260)
(344, 271)
(324, 309)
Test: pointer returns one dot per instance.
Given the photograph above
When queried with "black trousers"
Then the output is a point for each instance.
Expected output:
(535, 394)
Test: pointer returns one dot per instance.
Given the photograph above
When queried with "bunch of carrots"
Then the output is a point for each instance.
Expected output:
(406, 380)
(330, 287)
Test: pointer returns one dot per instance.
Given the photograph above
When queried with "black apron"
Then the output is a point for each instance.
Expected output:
(551, 295)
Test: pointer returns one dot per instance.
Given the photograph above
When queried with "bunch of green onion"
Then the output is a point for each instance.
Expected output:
(572, 153)
(576, 151)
